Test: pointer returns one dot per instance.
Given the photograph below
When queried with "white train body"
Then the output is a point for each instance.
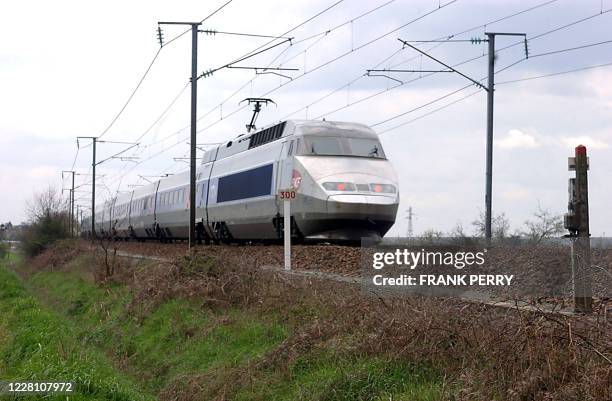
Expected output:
(346, 189)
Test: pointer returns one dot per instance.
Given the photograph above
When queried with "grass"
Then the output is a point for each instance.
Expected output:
(330, 377)
(176, 338)
(8, 256)
(180, 350)
(38, 344)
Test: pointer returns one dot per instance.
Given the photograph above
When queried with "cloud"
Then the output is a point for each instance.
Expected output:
(517, 194)
(587, 141)
(516, 140)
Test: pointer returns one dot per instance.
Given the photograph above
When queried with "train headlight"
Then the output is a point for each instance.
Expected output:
(382, 188)
(339, 186)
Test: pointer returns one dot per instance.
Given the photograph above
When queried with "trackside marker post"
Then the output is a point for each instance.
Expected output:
(577, 222)
(287, 195)
(287, 226)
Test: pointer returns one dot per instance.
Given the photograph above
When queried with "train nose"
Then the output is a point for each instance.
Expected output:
(363, 205)
(361, 195)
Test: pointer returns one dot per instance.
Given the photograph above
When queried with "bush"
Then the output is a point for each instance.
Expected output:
(49, 223)
(38, 236)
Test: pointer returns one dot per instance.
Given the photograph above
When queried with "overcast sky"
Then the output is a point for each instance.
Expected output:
(68, 67)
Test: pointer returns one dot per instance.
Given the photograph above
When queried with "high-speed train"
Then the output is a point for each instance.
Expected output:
(346, 189)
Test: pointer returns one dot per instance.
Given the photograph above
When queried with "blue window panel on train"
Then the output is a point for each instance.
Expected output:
(246, 184)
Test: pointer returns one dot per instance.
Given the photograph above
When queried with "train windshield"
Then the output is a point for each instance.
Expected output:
(342, 146)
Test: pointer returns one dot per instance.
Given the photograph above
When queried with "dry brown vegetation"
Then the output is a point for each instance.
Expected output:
(483, 352)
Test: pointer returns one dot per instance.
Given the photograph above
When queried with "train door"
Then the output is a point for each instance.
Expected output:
(285, 166)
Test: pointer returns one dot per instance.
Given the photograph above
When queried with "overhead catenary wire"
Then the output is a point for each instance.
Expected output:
(129, 99)
(336, 27)
(338, 57)
(201, 21)
(559, 28)
(556, 29)
(555, 73)
(328, 8)
(431, 112)
(149, 68)
(565, 26)
(131, 96)
(421, 106)
(498, 83)
(448, 37)
(441, 98)
(293, 43)
(465, 31)
(503, 18)
(260, 47)
(163, 113)
(549, 53)
(569, 49)
(143, 77)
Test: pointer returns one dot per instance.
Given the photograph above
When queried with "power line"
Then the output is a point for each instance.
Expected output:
(484, 26)
(346, 86)
(253, 35)
(75, 158)
(571, 49)
(554, 52)
(108, 127)
(129, 99)
(498, 83)
(438, 99)
(448, 37)
(210, 72)
(328, 31)
(163, 113)
(537, 6)
(297, 26)
(147, 72)
(342, 55)
(464, 62)
(506, 17)
(421, 106)
(431, 112)
(201, 21)
(565, 26)
(252, 51)
(556, 73)
(293, 43)
(459, 33)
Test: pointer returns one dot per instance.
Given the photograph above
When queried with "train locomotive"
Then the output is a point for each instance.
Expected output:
(346, 189)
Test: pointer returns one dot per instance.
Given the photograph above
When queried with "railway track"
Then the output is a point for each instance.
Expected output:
(316, 263)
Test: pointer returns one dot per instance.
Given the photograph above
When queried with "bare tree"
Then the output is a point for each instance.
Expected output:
(432, 234)
(500, 226)
(109, 256)
(48, 222)
(545, 225)
(45, 204)
(458, 231)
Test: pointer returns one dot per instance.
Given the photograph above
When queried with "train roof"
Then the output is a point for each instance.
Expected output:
(314, 127)
(282, 129)
(244, 142)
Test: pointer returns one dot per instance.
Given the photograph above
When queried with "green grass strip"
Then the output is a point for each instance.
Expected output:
(39, 345)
